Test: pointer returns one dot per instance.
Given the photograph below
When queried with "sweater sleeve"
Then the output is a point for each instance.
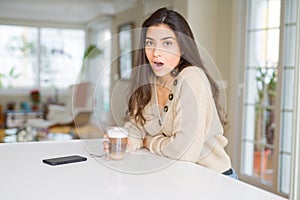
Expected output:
(136, 135)
(193, 115)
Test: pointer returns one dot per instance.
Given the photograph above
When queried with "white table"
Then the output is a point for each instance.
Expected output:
(147, 176)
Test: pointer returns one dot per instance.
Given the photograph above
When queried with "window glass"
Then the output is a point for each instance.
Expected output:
(18, 55)
(291, 14)
(273, 14)
(256, 48)
(272, 46)
(290, 46)
(264, 14)
(258, 12)
(285, 174)
(61, 56)
(40, 57)
(288, 92)
(263, 47)
(287, 129)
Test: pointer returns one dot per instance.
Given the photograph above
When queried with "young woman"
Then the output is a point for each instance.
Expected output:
(173, 107)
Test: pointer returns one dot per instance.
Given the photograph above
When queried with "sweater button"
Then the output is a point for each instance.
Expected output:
(174, 72)
(159, 122)
(175, 82)
(166, 108)
(170, 96)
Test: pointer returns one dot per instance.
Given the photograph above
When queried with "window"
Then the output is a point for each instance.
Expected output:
(40, 57)
(18, 55)
(269, 87)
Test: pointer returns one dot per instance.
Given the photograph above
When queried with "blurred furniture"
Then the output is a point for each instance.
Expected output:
(78, 107)
(59, 132)
(13, 135)
(76, 112)
(19, 118)
(27, 178)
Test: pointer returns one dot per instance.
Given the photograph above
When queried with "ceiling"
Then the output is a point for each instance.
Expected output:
(77, 12)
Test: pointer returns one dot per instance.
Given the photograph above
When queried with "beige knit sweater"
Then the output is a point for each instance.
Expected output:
(187, 127)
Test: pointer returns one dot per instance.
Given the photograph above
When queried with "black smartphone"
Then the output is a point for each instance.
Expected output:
(64, 160)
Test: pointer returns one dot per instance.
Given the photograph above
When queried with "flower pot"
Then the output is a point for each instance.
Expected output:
(260, 161)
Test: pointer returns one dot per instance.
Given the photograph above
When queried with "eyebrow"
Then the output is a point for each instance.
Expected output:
(165, 38)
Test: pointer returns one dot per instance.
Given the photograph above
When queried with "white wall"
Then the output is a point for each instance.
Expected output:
(180, 6)
(202, 17)
(211, 23)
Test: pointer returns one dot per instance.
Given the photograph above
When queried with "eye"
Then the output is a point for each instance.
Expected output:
(167, 43)
(149, 43)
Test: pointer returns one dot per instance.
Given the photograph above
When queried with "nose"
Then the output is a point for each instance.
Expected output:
(157, 51)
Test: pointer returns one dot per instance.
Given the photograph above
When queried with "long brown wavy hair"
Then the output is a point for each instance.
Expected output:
(141, 92)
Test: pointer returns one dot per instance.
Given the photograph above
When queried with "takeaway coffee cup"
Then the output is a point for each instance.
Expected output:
(117, 137)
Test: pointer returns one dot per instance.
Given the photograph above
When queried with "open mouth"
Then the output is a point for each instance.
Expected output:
(158, 65)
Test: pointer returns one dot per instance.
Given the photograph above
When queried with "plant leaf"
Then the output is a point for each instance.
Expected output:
(92, 51)
(11, 71)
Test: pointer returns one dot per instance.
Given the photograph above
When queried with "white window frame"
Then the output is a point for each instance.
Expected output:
(295, 175)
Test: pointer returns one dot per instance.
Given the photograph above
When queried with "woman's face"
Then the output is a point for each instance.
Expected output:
(162, 49)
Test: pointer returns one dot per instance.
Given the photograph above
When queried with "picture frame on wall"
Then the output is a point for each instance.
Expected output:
(125, 59)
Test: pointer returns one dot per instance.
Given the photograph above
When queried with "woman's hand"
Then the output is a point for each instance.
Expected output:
(106, 146)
